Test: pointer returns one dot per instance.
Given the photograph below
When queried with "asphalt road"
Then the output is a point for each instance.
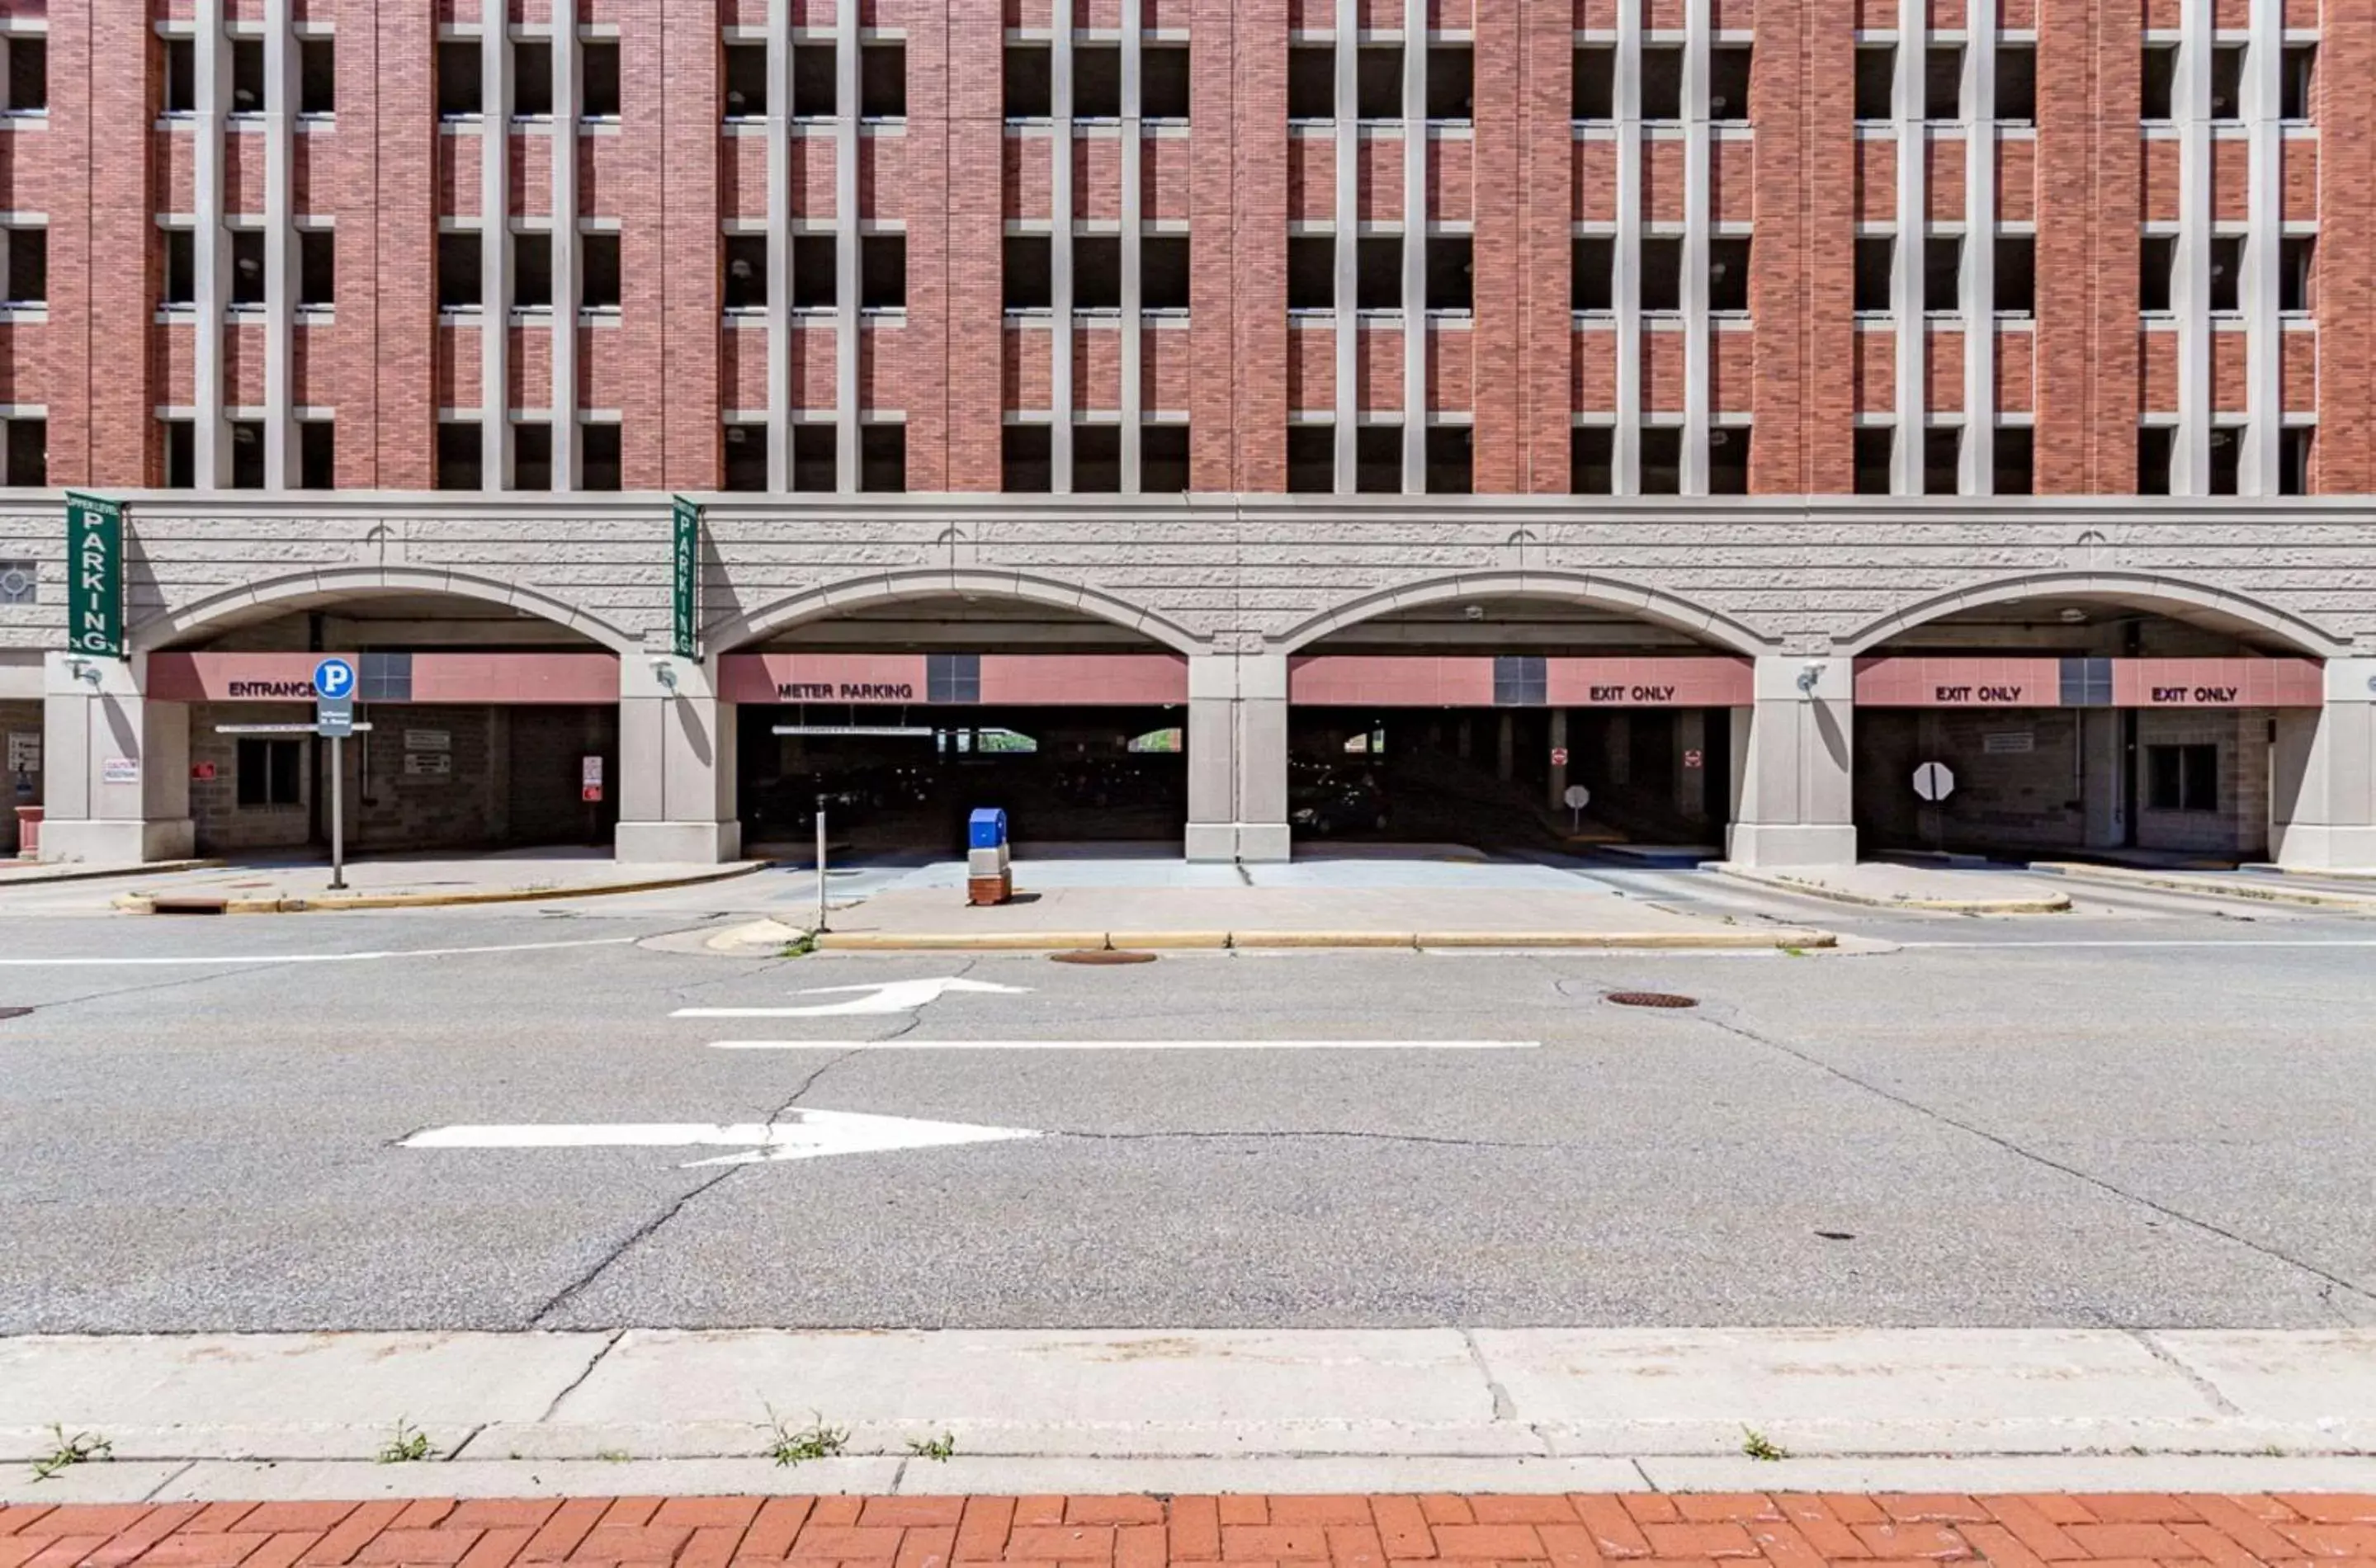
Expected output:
(2151, 1112)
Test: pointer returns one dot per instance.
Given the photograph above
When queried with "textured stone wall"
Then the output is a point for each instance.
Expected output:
(1212, 573)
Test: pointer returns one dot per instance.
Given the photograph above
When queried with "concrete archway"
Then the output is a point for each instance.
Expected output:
(858, 593)
(2177, 598)
(1653, 605)
(302, 590)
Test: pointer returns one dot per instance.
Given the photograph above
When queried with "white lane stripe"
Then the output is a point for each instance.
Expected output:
(1126, 1045)
(319, 958)
(2048, 944)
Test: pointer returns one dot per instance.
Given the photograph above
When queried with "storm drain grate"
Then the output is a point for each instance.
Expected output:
(1651, 999)
(1099, 956)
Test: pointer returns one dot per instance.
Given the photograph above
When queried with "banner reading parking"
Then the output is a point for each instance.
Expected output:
(95, 576)
(687, 597)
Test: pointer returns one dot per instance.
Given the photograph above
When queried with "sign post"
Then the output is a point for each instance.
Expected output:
(1577, 797)
(820, 920)
(94, 576)
(684, 625)
(333, 720)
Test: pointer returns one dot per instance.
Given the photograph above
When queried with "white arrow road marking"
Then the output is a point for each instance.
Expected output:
(898, 996)
(1126, 1045)
(805, 1134)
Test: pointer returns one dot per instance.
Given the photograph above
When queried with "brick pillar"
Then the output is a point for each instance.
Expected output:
(1497, 160)
(690, 273)
(2343, 453)
(922, 198)
(341, 367)
(105, 252)
(1546, 222)
(1238, 207)
(646, 256)
(2089, 65)
(972, 343)
(388, 224)
(1802, 279)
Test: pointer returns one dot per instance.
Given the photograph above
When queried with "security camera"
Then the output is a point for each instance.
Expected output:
(1809, 677)
(664, 671)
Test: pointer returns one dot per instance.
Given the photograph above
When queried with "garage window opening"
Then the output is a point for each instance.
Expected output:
(2182, 778)
(269, 773)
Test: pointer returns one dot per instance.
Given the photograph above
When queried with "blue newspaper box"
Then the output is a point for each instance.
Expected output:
(986, 829)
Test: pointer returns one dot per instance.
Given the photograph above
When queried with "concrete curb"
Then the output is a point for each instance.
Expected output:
(145, 903)
(1399, 940)
(2052, 904)
(71, 871)
(2121, 876)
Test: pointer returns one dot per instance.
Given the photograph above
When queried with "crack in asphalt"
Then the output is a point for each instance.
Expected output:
(243, 968)
(2332, 1281)
(644, 1232)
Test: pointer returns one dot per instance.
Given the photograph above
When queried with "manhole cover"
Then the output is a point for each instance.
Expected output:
(15, 1013)
(1093, 956)
(1651, 999)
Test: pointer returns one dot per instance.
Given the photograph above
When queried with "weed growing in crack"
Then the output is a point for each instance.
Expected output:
(816, 1441)
(938, 1449)
(79, 1449)
(409, 1446)
(1757, 1446)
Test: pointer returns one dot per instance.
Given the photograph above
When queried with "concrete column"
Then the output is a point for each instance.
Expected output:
(677, 767)
(1347, 250)
(1977, 474)
(568, 102)
(1905, 292)
(780, 245)
(1237, 757)
(1557, 791)
(1793, 752)
(1133, 322)
(1700, 25)
(2323, 776)
(1626, 282)
(849, 441)
(280, 263)
(2102, 793)
(2190, 285)
(1059, 248)
(89, 731)
(494, 256)
(2262, 458)
(1415, 229)
(1505, 748)
(210, 249)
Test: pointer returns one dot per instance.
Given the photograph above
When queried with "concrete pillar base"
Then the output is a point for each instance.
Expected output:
(1789, 844)
(117, 842)
(2308, 847)
(678, 843)
(1252, 843)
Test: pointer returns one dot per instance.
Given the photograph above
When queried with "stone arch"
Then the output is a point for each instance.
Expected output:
(1654, 605)
(329, 585)
(2181, 600)
(853, 593)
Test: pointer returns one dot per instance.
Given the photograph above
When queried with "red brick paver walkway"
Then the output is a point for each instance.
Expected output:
(1686, 1531)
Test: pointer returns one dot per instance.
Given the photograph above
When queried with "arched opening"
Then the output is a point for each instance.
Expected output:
(2120, 720)
(905, 711)
(1473, 718)
(490, 725)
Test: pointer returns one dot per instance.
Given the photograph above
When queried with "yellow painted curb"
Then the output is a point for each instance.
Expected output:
(144, 904)
(1323, 939)
(1209, 940)
(1680, 941)
(2050, 904)
(2115, 876)
(956, 941)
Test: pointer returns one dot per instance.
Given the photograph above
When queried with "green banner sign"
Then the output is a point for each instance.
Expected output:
(686, 642)
(95, 576)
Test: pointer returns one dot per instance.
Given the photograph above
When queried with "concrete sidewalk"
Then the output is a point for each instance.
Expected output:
(2271, 886)
(1886, 884)
(268, 1416)
(387, 882)
(907, 920)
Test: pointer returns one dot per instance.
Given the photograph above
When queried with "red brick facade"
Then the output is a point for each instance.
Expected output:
(1803, 176)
